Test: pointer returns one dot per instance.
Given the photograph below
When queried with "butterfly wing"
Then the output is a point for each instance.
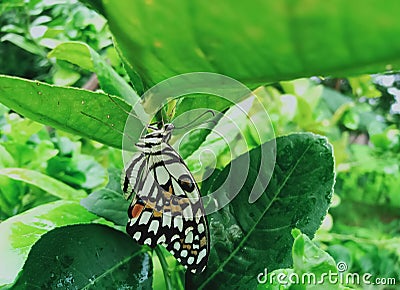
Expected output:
(167, 208)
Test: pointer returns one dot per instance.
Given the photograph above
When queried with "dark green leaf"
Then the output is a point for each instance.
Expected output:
(86, 257)
(19, 233)
(246, 238)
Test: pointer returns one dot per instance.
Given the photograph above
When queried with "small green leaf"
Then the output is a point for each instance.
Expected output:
(19, 233)
(80, 170)
(48, 184)
(23, 43)
(75, 52)
(85, 257)
(108, 202)
(64, 76)
(310, 259)
(311, 269)
(246, 238)
(83, 55)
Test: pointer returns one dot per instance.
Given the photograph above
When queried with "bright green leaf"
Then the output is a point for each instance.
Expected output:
(255, 42)
(83, 55)
(48, 184)
(309, 259)
(23, 43)
(89, 114)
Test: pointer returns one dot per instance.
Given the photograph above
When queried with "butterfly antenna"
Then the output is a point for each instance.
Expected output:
(173, 109)
(150, 126)
(119, 106)
(201, 115)
(108, 125)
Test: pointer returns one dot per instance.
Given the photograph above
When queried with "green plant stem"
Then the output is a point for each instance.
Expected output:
(164, 266)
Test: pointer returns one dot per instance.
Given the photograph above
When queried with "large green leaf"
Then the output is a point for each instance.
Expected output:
(93, 115)
(19, 233)
(255, 42)
(86, 257)
(246, 238)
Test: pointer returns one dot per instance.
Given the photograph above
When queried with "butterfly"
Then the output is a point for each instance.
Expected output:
(167, 208)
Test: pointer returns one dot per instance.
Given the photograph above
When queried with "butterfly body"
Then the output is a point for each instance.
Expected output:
(167, 208)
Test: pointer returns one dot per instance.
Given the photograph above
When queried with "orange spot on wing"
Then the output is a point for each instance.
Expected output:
(203, 242)
(157, 214)
(137, 210)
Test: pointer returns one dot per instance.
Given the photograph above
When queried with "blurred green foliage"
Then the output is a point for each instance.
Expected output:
(26, 144)
(360, 118)
(30, 29)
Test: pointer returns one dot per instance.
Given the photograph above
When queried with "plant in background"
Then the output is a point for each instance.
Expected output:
(30, 29)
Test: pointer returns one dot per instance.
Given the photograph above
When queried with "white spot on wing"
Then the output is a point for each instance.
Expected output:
(199, 214)
(145, 217)
(162, 175)
(146, 190)
(188, 229)
(178, 191)
(161, 239)
(153, 226)
(178, 223)
(187, 212)
(136, 236)
(189, 238)
(190, 260)
(201, 255)
(132, 221)
(177, 246)
(166, 220)
(200, 228)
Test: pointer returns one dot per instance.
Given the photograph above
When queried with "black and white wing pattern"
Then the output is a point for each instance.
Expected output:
(167, 208)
